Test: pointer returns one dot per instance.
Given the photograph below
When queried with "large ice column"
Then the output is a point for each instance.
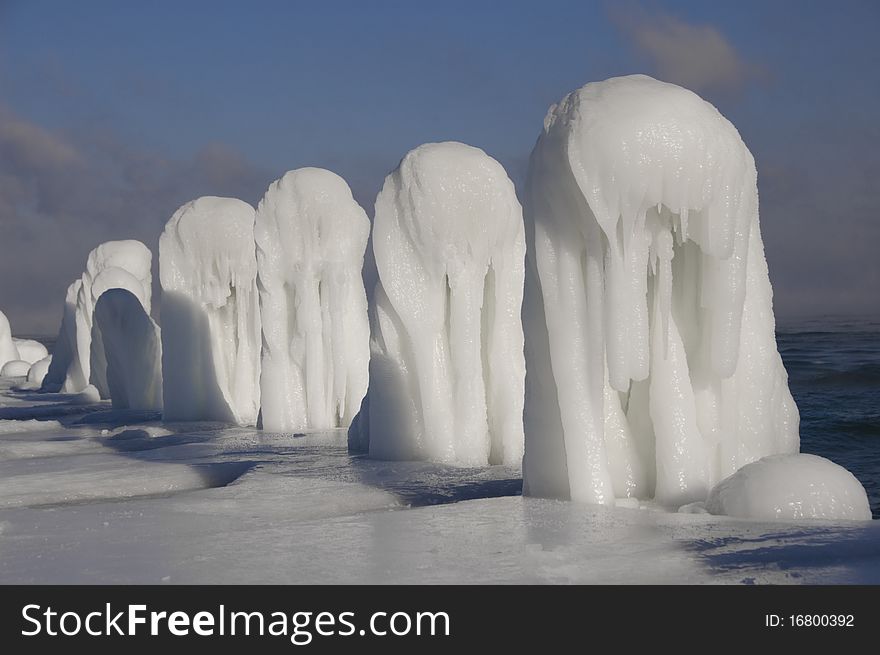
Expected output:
(210, 313)
(311, 236)
(132, 350)
(447, 367)
(650, 346)
(8, 350)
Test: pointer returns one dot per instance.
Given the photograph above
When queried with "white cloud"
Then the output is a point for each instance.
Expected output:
(698, 57)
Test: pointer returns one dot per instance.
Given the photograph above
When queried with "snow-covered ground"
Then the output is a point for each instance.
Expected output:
(93, 495)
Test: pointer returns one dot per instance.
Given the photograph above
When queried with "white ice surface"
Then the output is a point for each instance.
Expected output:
(650, 347)
(27, 425)
(210, 312)
(103, 497)
(446, 367)
(310, 237)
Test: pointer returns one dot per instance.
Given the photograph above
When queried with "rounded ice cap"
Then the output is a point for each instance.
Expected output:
(206, 247)
(635, 142)
(16, 368)
(453, 201)
(795, 486)
(309, 215)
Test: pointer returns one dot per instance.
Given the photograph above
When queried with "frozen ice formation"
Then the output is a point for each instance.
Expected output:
(114, 262)
(795, 486)
(113, 277)
(29, 350)
(14, 368)
(446, 367)
(8, 351)
(210, 313)
(74, 365)
(132, 350)
(65, 343)
(311, 236)
(650, 346)
(17, 355)
(37, 372)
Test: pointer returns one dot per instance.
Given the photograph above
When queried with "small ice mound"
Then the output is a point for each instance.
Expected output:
(210, 313)
(29, 350)
(38, 371)
(15, 368)
(88, 396)
(310, 237)
(446, 367)
(8, 351)
(791, 487)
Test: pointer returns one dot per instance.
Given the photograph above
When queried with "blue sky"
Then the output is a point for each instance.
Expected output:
(112, 114)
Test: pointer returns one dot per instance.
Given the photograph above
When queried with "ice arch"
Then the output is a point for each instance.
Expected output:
(71, 369)
(311, 236)
(446, 367)
(650, 346)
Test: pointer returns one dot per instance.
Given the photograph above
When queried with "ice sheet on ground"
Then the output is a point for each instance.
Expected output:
(115, 499)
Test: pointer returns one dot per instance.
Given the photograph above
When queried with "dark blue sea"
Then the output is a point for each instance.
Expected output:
(834, 374)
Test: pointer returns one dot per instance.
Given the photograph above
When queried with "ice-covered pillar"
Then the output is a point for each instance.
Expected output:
(446, 367)
(311, 236)
(65, 344)
(132, 350)
(210, 313)
(650, 345)
(8, 351)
